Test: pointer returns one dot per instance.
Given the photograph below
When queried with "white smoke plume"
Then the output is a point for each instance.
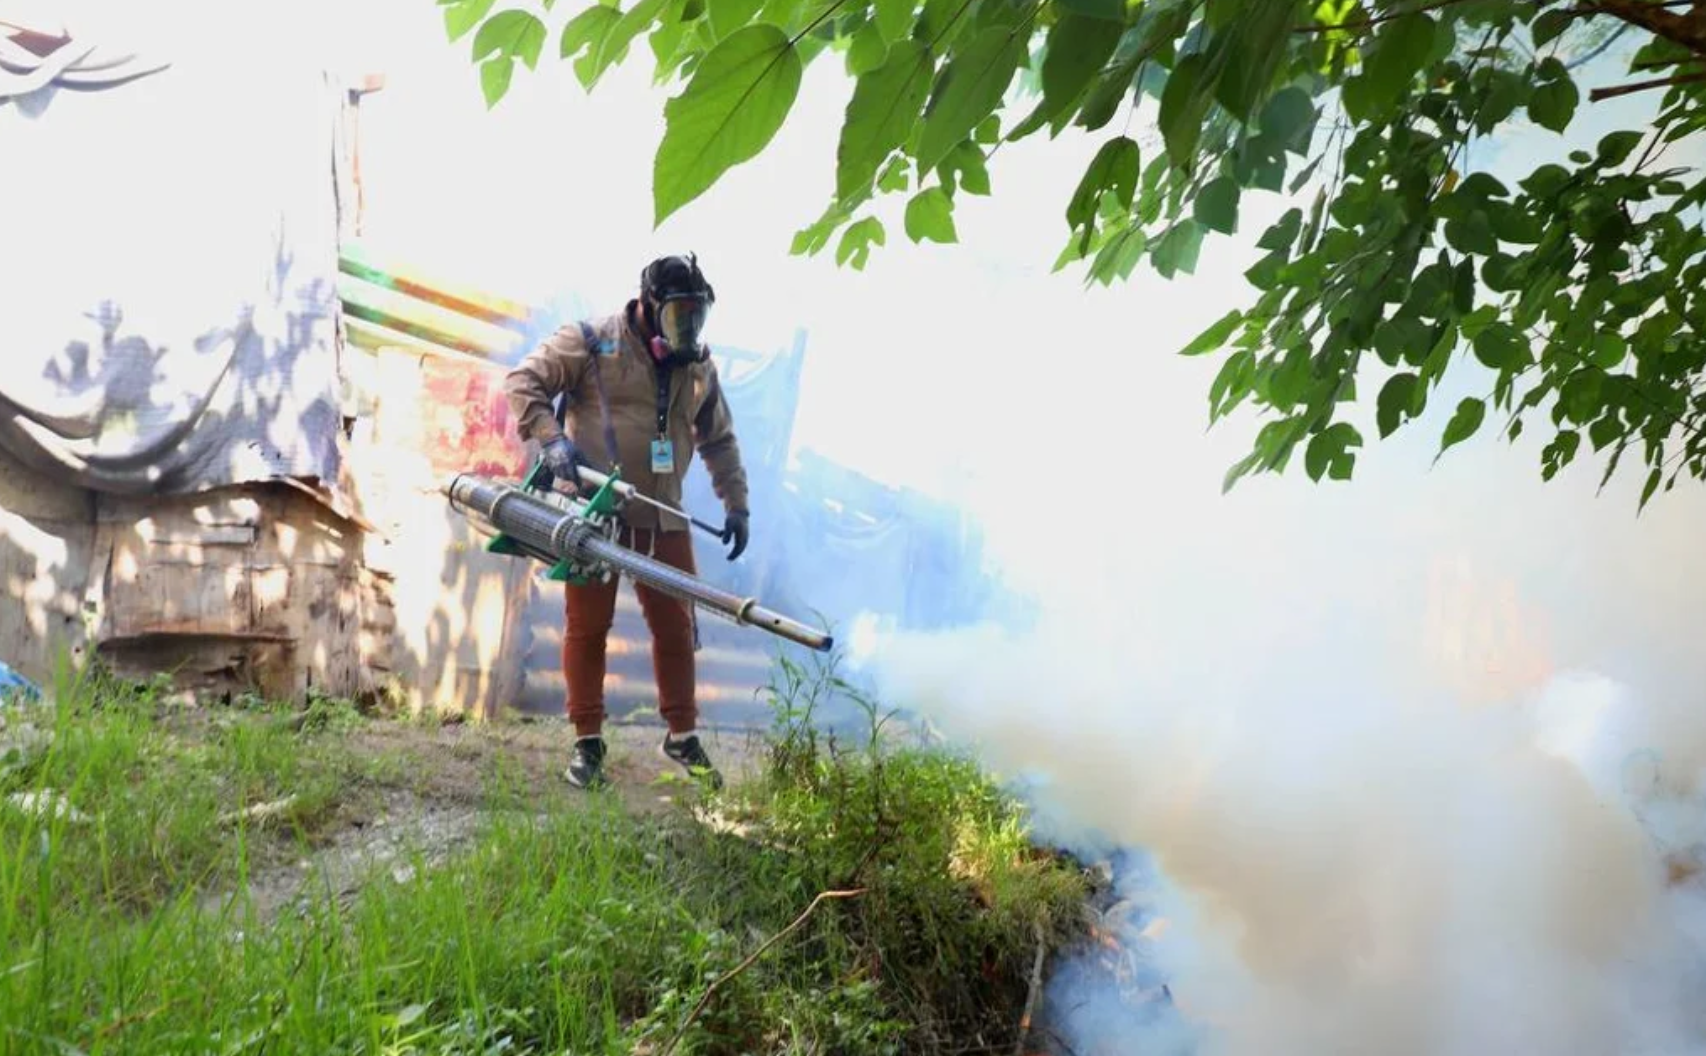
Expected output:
(1352, 876)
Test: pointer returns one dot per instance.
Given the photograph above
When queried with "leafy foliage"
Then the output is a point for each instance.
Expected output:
(1577, 292)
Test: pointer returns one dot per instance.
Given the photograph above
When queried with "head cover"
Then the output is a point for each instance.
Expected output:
(677, 301)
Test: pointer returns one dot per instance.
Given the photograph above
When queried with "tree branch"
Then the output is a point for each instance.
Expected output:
(1688, 30)
(1599, 94)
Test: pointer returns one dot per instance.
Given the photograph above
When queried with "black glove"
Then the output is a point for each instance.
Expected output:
(735, 531)
(564, 460)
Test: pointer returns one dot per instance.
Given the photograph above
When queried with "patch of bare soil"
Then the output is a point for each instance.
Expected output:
(436, 790)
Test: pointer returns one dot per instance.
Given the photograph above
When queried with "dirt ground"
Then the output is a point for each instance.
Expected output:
(437, 800)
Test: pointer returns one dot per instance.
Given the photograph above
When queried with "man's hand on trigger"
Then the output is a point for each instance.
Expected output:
(736, 531)
(564, 460)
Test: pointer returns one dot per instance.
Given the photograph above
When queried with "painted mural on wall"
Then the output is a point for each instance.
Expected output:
(466, 421)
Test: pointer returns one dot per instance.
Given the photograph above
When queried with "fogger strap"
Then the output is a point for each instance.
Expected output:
(590, 337)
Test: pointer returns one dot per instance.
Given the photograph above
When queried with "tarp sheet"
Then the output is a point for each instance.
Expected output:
(168, 252)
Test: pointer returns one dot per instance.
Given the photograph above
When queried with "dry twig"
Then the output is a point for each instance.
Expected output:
(1035, 991)
(752, 958)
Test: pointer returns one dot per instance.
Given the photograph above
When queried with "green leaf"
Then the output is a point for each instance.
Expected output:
(1615, 148)
(1250, 51)
(587, 30)
(1329, 452)
(1119, 257)
(1394, 402)
(1501, 347)
(1215, 335)
(1505, 92)
(1284, 231)
(1216, 205)
(1176, 251)
(857, 240)
(514, 33)
(1231, 384)
(1289, 118)
(730, 16)
(893, 18)
(1114, 170)
(1107, 10)
(1609, 350)
(930, 216)
(1401, 51)
(1472, 233)
(965, 165)
(896, 175)
(1553, 104)
(969, 87)
(940, 24)
(1399, 339)
(1184, 104)
(811, 240)
(1470, 414)
(673, 42)
(1077, 48)
(739, 96)
(613, 44)
(1581, 397)
(885, 106)
(867, 51)
(1607, 430)
(461, 17)
(1652, 486)
(495, 75)
(1560, 452)
(1549, 25)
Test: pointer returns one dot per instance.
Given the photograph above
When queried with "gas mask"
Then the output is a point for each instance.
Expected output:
(677, 301)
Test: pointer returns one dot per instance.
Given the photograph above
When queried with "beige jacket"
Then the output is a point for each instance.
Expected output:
(697, 416)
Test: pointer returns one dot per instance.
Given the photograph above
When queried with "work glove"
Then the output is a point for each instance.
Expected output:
(735, 530)
(564, 460)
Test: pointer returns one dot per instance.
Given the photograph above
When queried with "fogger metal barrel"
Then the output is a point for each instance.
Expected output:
(550, 533)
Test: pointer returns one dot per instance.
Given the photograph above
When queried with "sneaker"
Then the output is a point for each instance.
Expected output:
(691, 755)
(586, 765)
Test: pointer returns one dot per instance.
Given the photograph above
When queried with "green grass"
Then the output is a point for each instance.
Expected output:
(566, 926)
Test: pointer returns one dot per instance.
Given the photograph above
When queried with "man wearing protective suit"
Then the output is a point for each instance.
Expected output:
(641, 384)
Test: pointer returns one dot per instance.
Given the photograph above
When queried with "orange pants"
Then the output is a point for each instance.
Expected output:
(589, 610)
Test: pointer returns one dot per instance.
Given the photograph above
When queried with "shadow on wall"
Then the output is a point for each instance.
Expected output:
(46, 534)
(156, 498)
(173, 397)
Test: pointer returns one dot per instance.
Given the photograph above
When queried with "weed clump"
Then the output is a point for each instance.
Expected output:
(566, 926)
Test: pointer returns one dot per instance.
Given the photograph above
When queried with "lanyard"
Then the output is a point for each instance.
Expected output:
(663, 372)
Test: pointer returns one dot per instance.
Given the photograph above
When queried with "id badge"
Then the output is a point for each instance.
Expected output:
(663, 456)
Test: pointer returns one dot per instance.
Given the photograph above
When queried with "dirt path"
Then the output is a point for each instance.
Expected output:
(441, 790)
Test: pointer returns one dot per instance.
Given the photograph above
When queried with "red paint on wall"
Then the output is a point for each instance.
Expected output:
(467, 423)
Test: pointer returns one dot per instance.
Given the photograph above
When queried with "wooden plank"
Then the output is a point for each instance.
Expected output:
(226, 506)
(209, 535)
(186, 599)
